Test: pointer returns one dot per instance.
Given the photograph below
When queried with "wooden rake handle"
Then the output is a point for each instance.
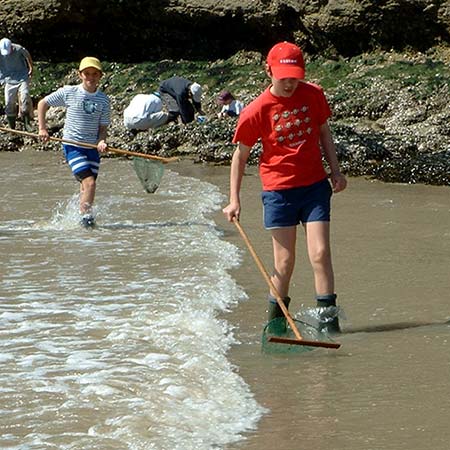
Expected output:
(299, 340)
(85, 144)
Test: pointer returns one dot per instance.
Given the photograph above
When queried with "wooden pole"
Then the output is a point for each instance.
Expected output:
(85, 144)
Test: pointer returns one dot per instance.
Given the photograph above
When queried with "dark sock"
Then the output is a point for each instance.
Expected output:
(11, 122)
(326, 300)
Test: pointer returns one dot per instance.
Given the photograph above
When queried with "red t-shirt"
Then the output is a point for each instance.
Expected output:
(289, 131)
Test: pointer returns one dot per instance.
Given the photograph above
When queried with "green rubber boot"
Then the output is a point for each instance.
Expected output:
(328, 314)
(275, 317)
(274, 309)
(27, 122)
(11, 122)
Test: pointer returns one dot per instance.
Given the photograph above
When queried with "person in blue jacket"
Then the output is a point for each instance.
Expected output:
(182, 98)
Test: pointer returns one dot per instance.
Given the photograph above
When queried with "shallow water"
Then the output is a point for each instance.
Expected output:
(110, 338)
(387, 387)
(144, 333)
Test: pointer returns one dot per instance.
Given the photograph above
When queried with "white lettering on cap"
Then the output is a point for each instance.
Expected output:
(288, 61)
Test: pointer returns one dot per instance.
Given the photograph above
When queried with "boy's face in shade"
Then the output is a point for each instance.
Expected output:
(90, 78)
(284, 87)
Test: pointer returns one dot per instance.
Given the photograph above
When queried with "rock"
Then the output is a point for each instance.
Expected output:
(66, 30)
(390, 111)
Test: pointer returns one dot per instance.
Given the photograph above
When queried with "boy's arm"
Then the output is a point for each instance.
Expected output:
(238, 162)
(42, 109)
(102, 133)
(329, 150)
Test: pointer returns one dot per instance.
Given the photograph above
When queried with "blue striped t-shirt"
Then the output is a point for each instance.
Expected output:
(85, 112)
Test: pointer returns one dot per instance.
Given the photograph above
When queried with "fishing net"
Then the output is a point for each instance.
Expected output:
(279, 327)
(149, 172)
(310, 322)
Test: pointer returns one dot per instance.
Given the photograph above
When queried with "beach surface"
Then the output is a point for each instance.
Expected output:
(146, 331)
(391, 253)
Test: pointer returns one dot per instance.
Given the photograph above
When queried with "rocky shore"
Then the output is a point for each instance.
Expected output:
(384, 66)
(391, 118)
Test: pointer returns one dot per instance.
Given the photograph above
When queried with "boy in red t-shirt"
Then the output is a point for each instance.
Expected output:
(290, 117)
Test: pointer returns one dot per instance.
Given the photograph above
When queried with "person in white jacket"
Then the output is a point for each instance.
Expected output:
(144, 111)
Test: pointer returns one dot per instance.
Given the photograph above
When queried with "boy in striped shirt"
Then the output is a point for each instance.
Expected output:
(87, 118)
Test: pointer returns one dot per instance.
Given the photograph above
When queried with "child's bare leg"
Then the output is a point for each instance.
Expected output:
(319, 252)
(283, 241)
(87, 194)
(318, 241)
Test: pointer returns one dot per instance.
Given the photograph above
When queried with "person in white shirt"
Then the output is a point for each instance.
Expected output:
(144, 111)
(230, 106)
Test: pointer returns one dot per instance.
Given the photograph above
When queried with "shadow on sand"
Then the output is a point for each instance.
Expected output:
(393, 327)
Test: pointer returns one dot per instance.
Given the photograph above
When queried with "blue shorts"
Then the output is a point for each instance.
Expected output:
(84, 162)
(290, 207)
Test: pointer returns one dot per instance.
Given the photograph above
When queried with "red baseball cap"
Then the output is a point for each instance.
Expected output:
(286, 61)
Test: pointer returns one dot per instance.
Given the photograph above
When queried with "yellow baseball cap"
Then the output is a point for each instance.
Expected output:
(90, 61)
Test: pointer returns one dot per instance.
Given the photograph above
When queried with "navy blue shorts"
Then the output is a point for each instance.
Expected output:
(290, 207)
(84, 162)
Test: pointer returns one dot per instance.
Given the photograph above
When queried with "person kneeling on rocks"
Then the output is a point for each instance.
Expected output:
(230, 106)
(144, 111)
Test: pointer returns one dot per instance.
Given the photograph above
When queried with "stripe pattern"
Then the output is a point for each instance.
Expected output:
(81, 159)
(85, 112)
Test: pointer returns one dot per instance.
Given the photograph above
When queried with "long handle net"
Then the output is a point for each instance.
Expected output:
(149, 172)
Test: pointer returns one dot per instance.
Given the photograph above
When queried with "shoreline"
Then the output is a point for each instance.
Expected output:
(389, 117)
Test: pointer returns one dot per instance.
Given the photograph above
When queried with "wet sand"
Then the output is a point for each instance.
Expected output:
(385, 387)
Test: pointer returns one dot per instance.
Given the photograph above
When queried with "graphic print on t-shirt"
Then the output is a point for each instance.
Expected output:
(89, 106)
(292, 127)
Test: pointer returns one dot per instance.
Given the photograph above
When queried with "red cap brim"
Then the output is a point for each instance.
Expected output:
(288, 71)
